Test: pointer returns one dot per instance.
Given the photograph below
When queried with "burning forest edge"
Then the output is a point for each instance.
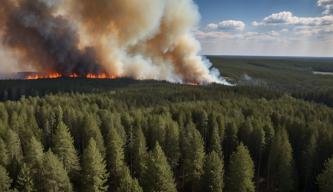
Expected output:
(79, 39)
(36, 76)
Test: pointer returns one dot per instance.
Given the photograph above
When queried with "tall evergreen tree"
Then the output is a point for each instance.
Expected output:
(156, 131)
(256, 146)
(201, 120)
(14, 145)
(127, 183)
(213, 173)
(240, 171)
(25, 182)
(5, 180)
(34, 152)
(49, 125)
(193, 157)
(325, 178)
(15, 153)
(94, 171)
(158, 176)
(4, 158)
(221, 125)
(280, 164)
(91, 130)
(215, 141)
(34, 158)
(230, 141)
(53, 175)
(114, 155)
(171, 145)
(245, 130)
(308, 164)
(138, 154)
(63, 147)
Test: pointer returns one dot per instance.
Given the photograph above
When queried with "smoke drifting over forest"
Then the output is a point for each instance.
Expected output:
(146, 39)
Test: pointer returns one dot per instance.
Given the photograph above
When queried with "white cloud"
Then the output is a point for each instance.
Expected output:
(218, 35)
(287, 18)
(212, 26)
(227, 25)
(327, 5)
(280, 33)
(204, 35)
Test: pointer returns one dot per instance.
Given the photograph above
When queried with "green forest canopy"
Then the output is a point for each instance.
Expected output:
(185, 133)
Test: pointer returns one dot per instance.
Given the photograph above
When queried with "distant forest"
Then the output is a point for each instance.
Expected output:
(130, 136)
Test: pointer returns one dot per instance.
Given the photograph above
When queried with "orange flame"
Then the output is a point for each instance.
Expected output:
(100, 76)
(47, 76)
(74, 75)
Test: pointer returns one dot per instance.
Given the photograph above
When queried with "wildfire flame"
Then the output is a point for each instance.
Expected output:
(58, 75)
(42, 76)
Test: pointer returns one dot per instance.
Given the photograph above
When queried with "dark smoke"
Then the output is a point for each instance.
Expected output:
(48, 41)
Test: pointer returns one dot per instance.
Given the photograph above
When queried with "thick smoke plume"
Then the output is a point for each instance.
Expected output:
(145, 39)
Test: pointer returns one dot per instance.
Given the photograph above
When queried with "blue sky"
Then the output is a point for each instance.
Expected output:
(266, 27)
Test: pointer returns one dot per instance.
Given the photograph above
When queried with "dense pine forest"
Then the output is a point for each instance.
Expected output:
(129, 136)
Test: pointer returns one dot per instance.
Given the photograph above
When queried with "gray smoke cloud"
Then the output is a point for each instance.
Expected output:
(47, 41)
(146, 39)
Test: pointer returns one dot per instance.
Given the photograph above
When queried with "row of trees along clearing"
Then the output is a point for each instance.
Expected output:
(128, 141)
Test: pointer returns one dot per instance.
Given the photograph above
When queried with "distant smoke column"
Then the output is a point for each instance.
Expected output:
(46, 41)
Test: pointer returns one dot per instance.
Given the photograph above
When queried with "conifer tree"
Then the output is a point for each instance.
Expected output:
(34, 153)
(308, 164)
(127, 183)
(53, 175)
(158, 176)
(138, 154)
(245, 130)
(63, 147)
(25, 181)
(240, 171)
(59, 114)
(201, 120)
(213, 173)
(4, 159)
(91, 130)
(114, 155)
(156, 131)
(221, 125)
(94, 171)
(256, 147)
(14, 146)
(50, 123)
(15, 153)
(5, 180)
(193, 154)
(34, 158)
(280, 163)
(214, 143)
(324, 179)
(230, 141)
(171, 145)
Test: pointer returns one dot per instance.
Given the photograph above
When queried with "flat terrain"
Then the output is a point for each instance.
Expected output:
(287, 73)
